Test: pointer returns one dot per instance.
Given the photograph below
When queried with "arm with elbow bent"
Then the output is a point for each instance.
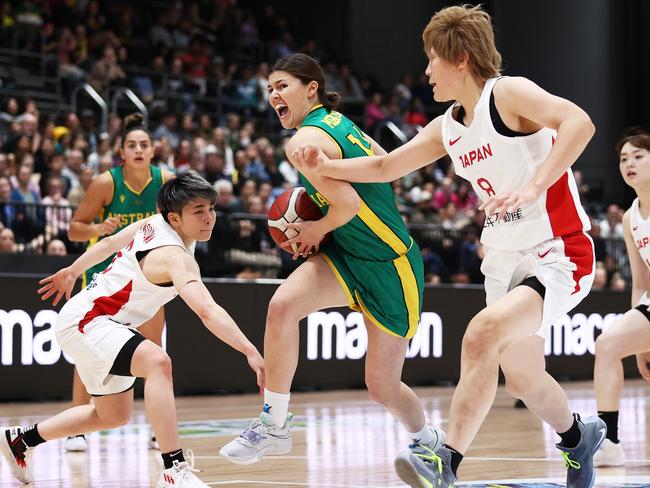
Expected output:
(523, 99)
(184, 273)
(344, 201)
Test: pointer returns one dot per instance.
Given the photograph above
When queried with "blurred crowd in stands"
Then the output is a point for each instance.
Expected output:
(220, 49)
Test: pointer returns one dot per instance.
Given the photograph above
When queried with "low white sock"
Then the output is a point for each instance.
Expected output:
(423, 436)
(278, 406)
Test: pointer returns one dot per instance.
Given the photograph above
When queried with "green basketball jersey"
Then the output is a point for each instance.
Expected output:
(129, 204)
(377, 232)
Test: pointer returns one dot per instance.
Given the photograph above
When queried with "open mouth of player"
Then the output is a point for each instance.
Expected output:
(282, 110)
(630, 174)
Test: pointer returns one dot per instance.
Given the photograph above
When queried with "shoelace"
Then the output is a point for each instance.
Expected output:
(568, 462)
(431, 456)
(186, 473)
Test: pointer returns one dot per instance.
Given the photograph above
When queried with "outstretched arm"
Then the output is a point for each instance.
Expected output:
(62, 282)
(185, 275)
(425, 148)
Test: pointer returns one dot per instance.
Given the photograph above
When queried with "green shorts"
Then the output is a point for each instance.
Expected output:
(88, 275)
(389, 293)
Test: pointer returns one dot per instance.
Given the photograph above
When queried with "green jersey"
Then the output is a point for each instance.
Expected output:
(129, 204)
(377, 232)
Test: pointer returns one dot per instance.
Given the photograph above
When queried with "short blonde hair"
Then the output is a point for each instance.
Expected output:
(453, 31)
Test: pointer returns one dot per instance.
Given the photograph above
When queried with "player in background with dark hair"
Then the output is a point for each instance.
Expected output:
(631, 333)
(115, 199)
(98, 328)
(370, 263)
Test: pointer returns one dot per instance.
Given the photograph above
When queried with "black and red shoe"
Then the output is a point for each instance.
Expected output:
(16, 453)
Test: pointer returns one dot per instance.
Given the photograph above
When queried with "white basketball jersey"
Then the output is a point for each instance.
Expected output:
(122, 291)
(640, 228)
(495, 164)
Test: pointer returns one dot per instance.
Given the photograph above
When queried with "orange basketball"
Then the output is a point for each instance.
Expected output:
(292, 206)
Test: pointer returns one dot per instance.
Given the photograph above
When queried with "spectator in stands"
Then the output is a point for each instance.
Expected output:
(350, 87)
(612, 225)
(464, 197)
(57, 213)
(600, 277)
(106, 71)
(8, 117)
(452, 219)
(88, 129)
(226, 200)
(32, 179)
(214, 165)
(105, 163)
(74, 163)
(69, 59)
(167, 129)
(55, 167)
(56, 247)
(247, 96)
(374, 113)
(265, 193)
(7, 241)
(6, 210)
(617, 283)
(443, 194)
(470, 256)
(195, 64)
(25, 190)
(4, 165)
(75, 195)
(415, 116)
(103, 148)
(220, 141)
(403, 92)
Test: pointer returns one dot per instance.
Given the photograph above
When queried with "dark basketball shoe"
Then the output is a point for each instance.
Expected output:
(579, 460)
(16, 453)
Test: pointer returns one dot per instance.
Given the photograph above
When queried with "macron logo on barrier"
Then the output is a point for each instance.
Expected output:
(332, 335)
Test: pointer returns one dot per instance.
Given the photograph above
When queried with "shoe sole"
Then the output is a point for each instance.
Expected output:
(18, 473)
(409, 475)
(255, 459)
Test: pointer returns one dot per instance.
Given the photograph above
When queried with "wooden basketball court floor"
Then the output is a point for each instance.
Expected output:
(341, 440)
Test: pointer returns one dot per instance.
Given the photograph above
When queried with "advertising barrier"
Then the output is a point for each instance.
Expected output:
(332, 342)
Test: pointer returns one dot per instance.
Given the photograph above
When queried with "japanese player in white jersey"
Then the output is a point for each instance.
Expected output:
(515, 143)
(631, 334)
(98, 327)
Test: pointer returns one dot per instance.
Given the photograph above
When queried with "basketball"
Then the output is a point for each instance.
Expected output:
(292, 206)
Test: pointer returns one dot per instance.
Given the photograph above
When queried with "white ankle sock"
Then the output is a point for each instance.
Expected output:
(278, 405)
(424, 436)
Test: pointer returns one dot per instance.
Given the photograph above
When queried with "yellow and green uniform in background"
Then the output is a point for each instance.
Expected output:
(373, 256)
(130, 205)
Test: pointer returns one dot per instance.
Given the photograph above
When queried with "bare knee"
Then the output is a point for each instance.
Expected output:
(281, 311)
(161, 364)
(113, 418)
(380, 391)
(480, 339)
(607, 347)
(518, 387)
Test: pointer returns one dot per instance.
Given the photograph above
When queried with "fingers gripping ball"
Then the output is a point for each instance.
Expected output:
(291, 207)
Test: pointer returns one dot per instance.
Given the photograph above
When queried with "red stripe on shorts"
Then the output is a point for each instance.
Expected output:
(580, 251)
(107, 305)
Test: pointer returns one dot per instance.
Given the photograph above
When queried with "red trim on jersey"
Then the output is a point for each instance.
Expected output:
(107, 305)
(580, 251)
(561, 208)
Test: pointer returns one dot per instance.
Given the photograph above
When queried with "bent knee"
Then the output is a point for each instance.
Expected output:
(161, 363)
(115, 418)
(381, 392)
(607, 345)
(482, 335)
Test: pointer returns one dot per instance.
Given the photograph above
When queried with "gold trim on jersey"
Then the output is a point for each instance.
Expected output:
(330, 136)
(137, 193)
(372, 318)
(381, 230)
(351, 303)
(315, 107)
(410, 291)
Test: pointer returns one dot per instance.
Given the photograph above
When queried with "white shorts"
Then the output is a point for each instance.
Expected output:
(94, 351)
(564, 265)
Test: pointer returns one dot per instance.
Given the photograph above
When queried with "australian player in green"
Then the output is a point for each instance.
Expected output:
(115, 199)
(370, 264)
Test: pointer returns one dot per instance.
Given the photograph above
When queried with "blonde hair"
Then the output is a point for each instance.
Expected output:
(453, 31)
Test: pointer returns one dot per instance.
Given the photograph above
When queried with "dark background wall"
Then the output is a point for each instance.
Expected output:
(593, 52)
